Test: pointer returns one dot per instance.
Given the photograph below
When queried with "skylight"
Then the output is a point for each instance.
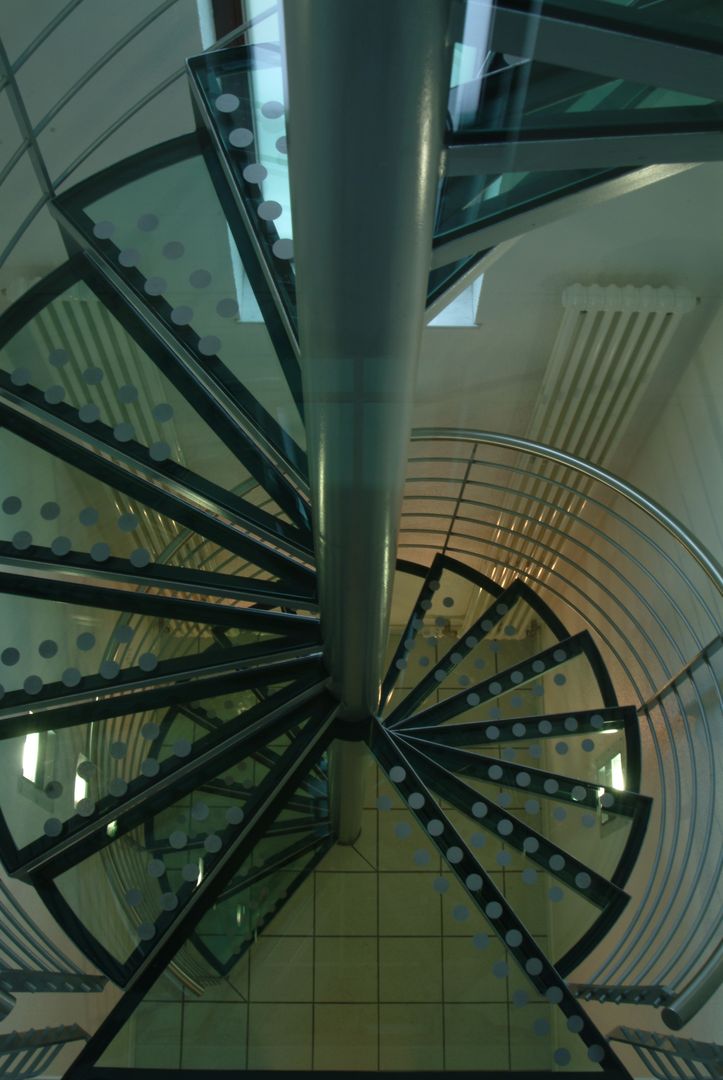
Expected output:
(462, 311)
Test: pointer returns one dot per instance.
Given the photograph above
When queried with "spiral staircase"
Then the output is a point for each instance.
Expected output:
(200, 573)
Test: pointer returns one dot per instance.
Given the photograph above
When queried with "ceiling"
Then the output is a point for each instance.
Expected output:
(489, 376)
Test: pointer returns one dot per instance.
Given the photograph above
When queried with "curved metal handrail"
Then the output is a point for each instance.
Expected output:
(658, 935)
(27, 1054)
(100, 63)
(45, 33)
(31, 960)
(653, 904)
(676, 529)
(699, 990)
(615, 571)
(95, 144)
(609, 510)
(29, 945)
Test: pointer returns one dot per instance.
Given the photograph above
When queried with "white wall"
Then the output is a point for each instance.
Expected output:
(681, 462)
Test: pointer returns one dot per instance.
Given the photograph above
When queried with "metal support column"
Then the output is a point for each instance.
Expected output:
(367, 92)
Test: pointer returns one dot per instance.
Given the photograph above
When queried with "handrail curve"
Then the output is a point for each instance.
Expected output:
(632, 602)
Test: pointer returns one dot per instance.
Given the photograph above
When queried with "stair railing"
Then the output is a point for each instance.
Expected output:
(610, 558)
(24, 1054)
(30, 962)
(10, 70)
(671, 1058)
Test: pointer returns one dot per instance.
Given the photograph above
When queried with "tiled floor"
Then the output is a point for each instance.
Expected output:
(372, 964)
(364, 968)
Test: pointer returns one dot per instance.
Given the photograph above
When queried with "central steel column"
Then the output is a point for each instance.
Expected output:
(367, 94)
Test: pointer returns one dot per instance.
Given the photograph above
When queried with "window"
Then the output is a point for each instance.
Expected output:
(462, 311)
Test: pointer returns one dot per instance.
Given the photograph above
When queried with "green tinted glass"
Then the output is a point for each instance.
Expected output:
(169, 225)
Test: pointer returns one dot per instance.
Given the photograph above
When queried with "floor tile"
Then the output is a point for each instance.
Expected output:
(279, 1036)
(460, 915)
(346, 969)
(529, 901)
(408, 904)
(345, 1037)
(281, 969)
(238, 977)
(222, 989)
(410, 969)
(346, 903)
(469, 974)
(414, 852)
(165, 988)
(476, 1037)
(214, 1035)
(157, 1034)
(530, 1044)
(410, 1037)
